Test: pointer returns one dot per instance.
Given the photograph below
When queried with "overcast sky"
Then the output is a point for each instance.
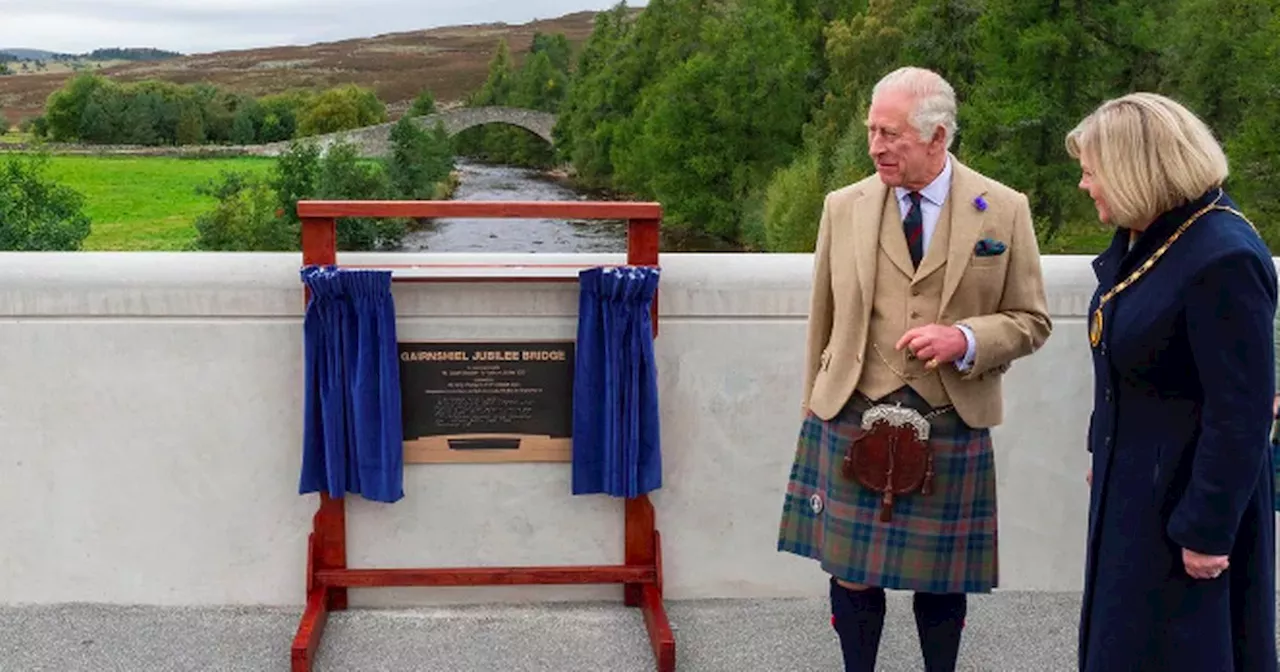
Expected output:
(193, 26)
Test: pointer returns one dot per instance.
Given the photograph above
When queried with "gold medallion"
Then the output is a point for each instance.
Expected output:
(1095, 328)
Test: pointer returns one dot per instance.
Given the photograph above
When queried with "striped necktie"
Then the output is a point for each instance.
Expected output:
(913, 226)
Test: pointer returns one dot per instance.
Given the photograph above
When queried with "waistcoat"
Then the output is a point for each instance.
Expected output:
(904, 298)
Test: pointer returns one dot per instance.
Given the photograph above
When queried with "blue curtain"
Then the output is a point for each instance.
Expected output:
(352, 439)
(616, 447)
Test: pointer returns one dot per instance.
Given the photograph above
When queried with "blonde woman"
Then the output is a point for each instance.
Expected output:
(1180, 560)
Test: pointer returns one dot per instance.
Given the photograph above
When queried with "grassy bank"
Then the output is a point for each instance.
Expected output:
(149, 203)
(144, 203)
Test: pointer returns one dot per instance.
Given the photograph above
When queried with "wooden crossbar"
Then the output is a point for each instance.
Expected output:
(598, 210)
(486, 576)
(327, 576)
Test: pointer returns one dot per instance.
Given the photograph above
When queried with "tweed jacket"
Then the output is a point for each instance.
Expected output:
(1000, 297)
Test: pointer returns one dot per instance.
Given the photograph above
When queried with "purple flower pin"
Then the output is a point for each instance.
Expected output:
(980, 204)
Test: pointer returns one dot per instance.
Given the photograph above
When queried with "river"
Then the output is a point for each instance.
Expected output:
(482, 182)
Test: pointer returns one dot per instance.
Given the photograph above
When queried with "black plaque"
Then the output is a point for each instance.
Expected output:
(486, 395)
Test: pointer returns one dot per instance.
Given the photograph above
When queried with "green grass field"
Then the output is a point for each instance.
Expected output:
(144, 203)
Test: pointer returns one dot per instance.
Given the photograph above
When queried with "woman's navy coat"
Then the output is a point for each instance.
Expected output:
(1184, 381)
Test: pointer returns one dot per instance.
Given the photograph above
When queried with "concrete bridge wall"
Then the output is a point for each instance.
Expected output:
(150, 416)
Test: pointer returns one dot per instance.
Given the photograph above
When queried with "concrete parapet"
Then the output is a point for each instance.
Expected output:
(150, 423)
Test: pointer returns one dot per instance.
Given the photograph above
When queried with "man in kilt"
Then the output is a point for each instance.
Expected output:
(926, 286)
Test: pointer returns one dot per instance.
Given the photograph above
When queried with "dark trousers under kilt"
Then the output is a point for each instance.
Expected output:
(941, 545)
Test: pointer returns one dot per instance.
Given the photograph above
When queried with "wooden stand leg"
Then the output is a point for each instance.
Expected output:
(644, 548)
(331, 524)
(661, 638)
(310, 630)
(326, 549)
(640, 550)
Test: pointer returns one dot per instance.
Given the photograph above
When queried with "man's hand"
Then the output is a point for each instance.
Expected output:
(934, 344)
(1201, 566)
(1275, 406)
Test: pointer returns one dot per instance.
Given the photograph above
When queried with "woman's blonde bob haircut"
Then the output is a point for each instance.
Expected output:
(1148, 154)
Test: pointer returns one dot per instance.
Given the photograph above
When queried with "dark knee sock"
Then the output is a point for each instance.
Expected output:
(939, 622)
(858, 618)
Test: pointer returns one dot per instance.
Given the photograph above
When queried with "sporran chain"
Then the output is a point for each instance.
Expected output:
(901, 374)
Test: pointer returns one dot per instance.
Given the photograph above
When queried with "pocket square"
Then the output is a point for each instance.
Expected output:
(988, 247)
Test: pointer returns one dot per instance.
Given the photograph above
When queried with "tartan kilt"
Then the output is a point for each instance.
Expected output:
(944, 542)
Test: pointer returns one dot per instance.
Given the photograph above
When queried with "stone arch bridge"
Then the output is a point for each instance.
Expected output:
(375, 140)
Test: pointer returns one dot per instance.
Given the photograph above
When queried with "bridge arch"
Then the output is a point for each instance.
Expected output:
(372, 141)
(458, 120)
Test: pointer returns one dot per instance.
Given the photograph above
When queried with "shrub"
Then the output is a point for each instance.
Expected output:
(37, 214)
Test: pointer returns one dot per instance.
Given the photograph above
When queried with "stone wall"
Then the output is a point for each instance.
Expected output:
(370, 141)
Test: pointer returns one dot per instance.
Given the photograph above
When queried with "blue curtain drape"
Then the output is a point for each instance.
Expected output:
(352, 439)
(616, 447)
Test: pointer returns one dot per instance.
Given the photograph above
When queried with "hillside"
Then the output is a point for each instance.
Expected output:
(450, 61)
(28, 54)
(106, 54)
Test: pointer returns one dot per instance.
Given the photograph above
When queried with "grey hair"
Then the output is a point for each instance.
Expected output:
(935, 99)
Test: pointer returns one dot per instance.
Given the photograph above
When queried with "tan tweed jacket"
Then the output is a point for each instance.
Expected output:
(1000, 297)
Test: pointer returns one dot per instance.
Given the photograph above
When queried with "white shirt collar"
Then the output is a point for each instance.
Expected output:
(936, 191)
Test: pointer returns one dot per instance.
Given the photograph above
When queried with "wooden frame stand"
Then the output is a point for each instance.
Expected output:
(328, 577)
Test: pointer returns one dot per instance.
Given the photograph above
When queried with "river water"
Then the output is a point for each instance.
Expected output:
(481, 182)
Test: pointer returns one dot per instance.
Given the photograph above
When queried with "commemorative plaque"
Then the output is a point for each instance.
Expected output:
(469, 401)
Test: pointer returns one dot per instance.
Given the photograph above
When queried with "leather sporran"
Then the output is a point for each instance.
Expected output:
(892, 456)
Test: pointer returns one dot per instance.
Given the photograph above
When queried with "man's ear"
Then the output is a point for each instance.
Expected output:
(939, 139)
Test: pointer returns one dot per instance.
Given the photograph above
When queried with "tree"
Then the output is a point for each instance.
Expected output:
(419, 160)
(715, 127)
(556, 47)
(423, 105)
(65, 107)
(859, 50)
(622, 58)
(1210, 57)
(497, 86)
(342, 175)
(592, 107)
(280, 115)
(37, 214)
(339, 109)
(1043, 70)
(244, 218)
(793, 196)
(249, 118)
(303, 173)
(1253, 146)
